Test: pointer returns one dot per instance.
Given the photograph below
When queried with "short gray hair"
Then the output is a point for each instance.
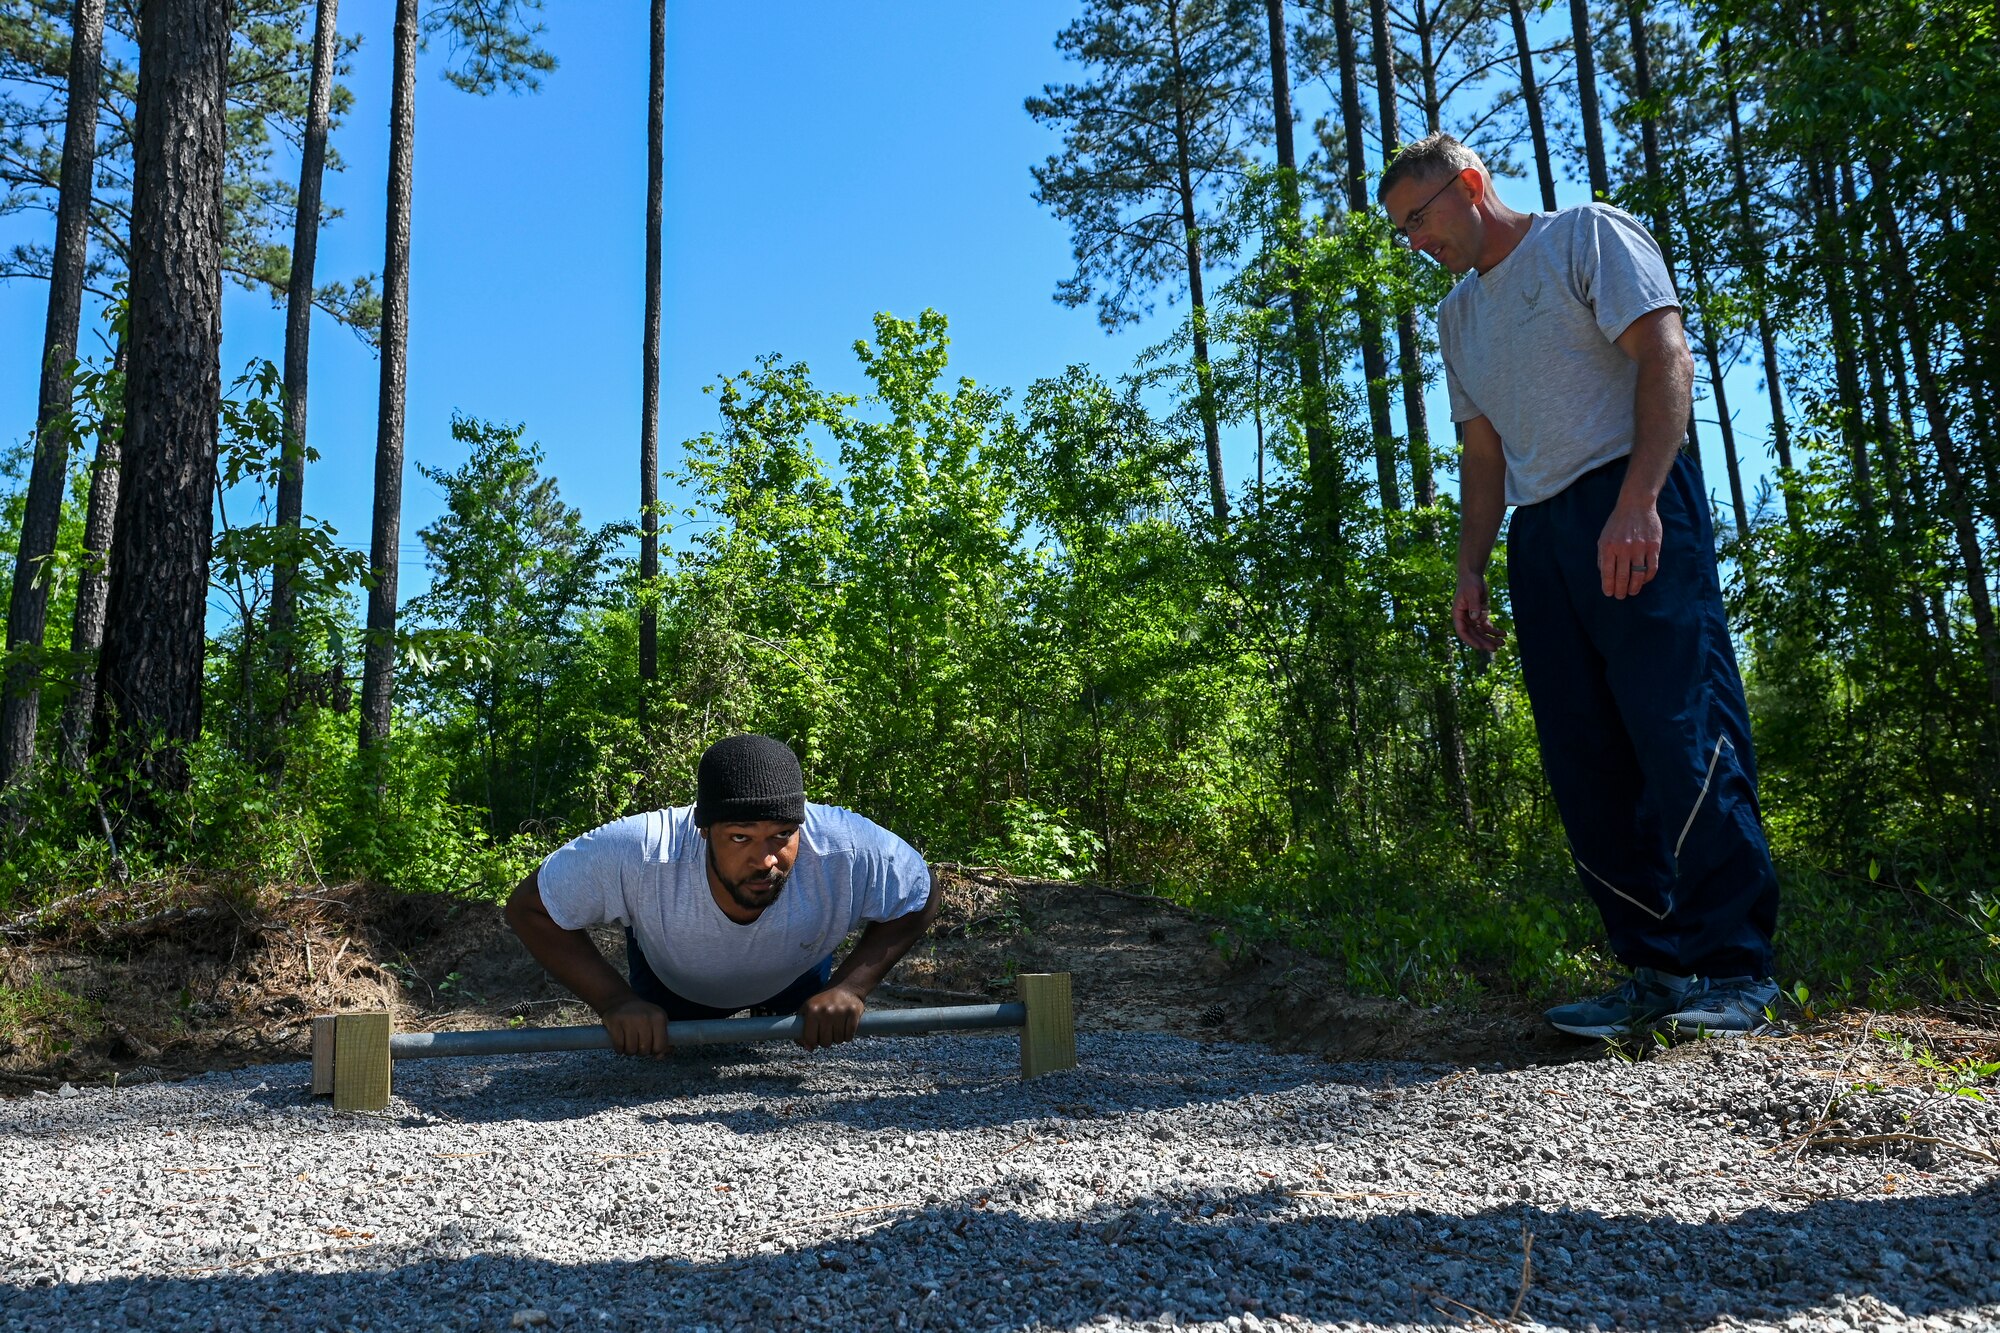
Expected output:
(1431, 158)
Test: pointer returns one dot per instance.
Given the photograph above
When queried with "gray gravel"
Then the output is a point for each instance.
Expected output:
(917, 1184)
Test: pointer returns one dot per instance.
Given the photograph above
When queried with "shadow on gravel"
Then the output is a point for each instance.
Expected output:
(962, 1265)
(754, 1090)
(760, 1089)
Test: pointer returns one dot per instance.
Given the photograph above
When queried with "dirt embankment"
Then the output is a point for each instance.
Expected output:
(173, 981)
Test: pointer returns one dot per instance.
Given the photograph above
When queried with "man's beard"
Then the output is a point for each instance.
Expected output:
(752, 893)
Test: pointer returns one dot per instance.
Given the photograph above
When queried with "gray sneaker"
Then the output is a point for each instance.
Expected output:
(1642, 1001)
(1729, 1006)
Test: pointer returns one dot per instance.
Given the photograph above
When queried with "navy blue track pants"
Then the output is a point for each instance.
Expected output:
(1644, 731)
(646, 984)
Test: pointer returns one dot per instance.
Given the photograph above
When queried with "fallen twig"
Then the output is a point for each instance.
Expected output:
(904, 991)
(833, 1217)
(1872, 1140)
(1473, 1309)
(1527, 1271)
(1335, 1194)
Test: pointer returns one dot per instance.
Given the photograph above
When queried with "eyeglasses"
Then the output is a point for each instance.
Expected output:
(1415, 220)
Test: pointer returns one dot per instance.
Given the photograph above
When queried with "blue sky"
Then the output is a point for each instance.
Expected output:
(824, 162)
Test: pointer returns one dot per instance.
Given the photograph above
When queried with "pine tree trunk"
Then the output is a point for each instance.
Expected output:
(1649, 132)
(379, 659)
(92, 589)
(1834, 270)
(1586, 98)
(1917, 494)
(1710, 339)
(1427, 67)
(150, 673)
(48, 476)
(1409, 357)
(1958, 500)
(1753, 263)
(649, 392)
(1531, 95)
(1204, 378)
(1305, 326)
(1374, 360)
(1978, 343)
(1383, 56)
(1888, 441)
(1423, 477)
(298, 341)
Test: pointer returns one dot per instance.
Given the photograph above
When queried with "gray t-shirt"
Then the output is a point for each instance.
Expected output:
(650, 872)
(1529, 344)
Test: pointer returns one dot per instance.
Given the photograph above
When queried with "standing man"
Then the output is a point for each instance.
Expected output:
(735, 902)
(1567, 367)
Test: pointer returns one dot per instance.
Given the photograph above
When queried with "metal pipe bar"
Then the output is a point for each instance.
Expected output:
(699, 1032)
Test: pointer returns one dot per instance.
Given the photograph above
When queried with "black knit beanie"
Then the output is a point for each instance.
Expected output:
(744, 779)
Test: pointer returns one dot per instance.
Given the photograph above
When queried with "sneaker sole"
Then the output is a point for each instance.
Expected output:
(1596, 1029)
(1693, 1026)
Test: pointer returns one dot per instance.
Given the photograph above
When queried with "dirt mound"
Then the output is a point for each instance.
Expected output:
(172, 979)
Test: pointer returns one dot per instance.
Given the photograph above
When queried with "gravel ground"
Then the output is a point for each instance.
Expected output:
(917, 1184)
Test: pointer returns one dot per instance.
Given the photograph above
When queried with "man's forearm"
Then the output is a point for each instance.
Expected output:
(1482, 502)
(569, 957)
(881, 945)
(1660, 406)
(1660, 415)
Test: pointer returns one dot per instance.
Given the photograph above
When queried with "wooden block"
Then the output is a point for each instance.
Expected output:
(361, 1071)
(322, 1044)
(1048, 1038)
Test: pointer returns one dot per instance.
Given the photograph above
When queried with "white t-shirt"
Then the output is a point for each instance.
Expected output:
(1530, 344)
(650, 872)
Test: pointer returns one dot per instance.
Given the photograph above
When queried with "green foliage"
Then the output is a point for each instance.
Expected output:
(268, 80)
(1009, 627)
(41, 1019)
(513, 573)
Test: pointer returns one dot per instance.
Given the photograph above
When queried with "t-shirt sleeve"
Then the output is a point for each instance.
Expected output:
(583, 881)
(1462, 406)
(1617, 270)
(892, 882)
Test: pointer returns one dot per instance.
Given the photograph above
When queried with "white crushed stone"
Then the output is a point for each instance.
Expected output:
(917, 1184)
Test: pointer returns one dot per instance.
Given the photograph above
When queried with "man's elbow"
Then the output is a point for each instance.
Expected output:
(927, 915)
(523, 905)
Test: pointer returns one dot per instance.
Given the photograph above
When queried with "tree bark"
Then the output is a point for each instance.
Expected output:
(48, 477)
(1204, 378)
(1305, 325)
(649, 390)
(1383, 57)
(150, 672)
(1433, 99)
(1374, 360)
(92, 590)
(1586, 98)
(1531, 95)
(1649, 132)
(1834, 270)
(1710, 339)
(1753, 258)
(1937, 408)
(1423, 477)
(298, 340)
(1416, 417)
(379, 655)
